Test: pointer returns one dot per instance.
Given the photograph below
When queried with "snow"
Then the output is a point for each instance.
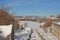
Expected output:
(5, 30)
(48, 35)
(58, 23)
(42, 23)
(24, 34)
(35, 36)
(31, 24)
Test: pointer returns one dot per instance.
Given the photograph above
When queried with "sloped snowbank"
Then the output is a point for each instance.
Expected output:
(5, 30)
(48, 35)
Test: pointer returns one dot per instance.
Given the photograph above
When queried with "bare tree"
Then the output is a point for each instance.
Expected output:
(5, 7)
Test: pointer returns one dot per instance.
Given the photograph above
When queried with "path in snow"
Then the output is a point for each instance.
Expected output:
(35, 36)
(33, 25)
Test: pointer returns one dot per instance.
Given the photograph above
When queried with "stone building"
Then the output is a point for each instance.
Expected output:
(7, 19)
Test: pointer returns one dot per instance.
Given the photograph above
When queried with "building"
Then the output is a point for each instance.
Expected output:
(7, 19)
(26, 18)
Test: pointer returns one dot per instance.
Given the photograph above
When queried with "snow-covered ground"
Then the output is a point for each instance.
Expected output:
(35, 36)
(24, 34)
(47, 36)
(21, 34)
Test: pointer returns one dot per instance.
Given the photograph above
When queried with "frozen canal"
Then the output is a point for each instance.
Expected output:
(24, 34)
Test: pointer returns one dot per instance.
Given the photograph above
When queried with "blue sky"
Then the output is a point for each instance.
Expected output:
(33, 7)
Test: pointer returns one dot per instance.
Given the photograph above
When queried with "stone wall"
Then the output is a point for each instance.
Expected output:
(55, 30)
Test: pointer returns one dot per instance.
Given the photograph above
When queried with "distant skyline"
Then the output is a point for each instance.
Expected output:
(33, 7)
